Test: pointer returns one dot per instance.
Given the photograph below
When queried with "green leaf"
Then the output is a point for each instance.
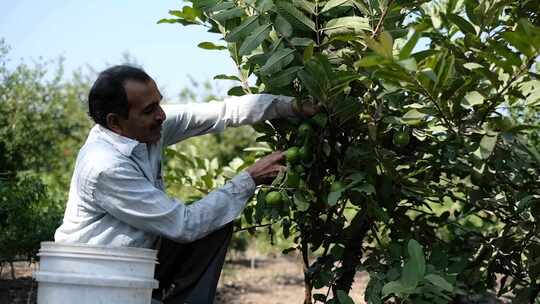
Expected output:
(236, 91)
(362, 7)
(366, 188)
(255, 39)
(396, 287)
(344, 298)
(408, 64)
(407, 49)
(277, 61)
(346, 25)
(378, 47)
(295, 17)
(436, 19)
(211, 46)
(504, 51)
(416, 255)
(225, 15)
(519, 41)
(487, 144)
(283, 27)
(264, 5)
(299, 41)
(226, 77)
(439, 282)
(308, 52)
(187, 13)
(472, 65)
(214, 5)
(300, 201)
(206, 4)
(472, 99)
(181, 21)
(413, 117)
(284, 78)
(333, 197)
(307, 6)
(243, 30)
(445, 70)
(463, 24)
(320, 119)
(332, 4)
(387, 42)
(410, 275)
(312, 85)
(369, 61)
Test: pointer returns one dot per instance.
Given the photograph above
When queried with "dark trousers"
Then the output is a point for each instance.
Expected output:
(189, 273)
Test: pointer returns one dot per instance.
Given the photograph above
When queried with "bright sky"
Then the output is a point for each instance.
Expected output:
(98, 32)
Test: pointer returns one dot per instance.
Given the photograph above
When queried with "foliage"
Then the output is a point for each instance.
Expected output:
(27, 217)
(437, 216)
(41, 125)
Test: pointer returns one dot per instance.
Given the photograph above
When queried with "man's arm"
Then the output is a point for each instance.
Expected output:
(187, 120)
(125, 194)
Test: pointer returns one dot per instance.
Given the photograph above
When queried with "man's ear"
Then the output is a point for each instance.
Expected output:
(113, 123)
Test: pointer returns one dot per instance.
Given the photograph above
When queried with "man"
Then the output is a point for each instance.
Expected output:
(117, 195)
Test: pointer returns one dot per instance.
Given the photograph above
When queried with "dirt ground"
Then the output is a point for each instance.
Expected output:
(273, 280)
(245, 280)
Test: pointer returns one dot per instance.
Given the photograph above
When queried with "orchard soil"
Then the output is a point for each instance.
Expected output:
(246, 279)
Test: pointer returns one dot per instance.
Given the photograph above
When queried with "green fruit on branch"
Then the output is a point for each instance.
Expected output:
(401, 138)
(293, 179)
(305, 129)
(292, 154)
(273, 198)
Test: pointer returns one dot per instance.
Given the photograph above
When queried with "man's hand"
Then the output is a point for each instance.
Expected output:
(306, 109)
(267, 168)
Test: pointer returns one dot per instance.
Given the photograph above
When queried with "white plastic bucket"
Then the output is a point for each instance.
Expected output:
(84, 274)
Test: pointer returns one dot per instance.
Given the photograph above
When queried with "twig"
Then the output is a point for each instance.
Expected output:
(253, 227)
(446, 121)
(381, 20)
(317, 24)
(492, 106)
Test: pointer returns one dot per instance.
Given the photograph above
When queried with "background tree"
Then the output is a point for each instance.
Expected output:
(423, 168)
(42, 124)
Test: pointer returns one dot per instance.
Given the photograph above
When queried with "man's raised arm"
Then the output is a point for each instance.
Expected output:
(192, 119)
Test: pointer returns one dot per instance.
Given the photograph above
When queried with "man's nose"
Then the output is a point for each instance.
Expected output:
(161, 116)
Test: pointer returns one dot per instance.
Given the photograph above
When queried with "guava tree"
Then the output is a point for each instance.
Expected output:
(416, 170)
(41, 123)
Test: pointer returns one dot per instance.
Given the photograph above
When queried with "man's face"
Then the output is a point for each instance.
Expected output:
(145, 114)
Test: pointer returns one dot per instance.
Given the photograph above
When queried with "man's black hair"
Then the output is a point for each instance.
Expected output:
(108, 94)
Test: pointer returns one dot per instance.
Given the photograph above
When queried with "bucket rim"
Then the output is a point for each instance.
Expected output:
(111, 250)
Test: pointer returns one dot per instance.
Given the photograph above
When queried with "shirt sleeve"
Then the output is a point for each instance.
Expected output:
(131, 198)
(187, 120)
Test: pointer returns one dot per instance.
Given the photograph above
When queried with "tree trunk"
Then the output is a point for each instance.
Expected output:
(353, 251)
(307, 281)
(12, 270)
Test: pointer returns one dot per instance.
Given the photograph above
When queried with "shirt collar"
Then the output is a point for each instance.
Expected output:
(123, 144)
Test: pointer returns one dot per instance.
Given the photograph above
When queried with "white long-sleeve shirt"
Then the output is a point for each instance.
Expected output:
(117, 195)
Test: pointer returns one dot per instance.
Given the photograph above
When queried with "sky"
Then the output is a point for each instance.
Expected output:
(98, 32)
